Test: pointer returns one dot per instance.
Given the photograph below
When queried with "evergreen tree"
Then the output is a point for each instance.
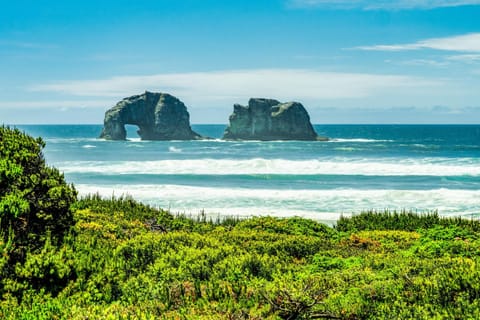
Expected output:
(35, 200)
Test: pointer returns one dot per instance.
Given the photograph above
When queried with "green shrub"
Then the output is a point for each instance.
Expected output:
(35, 200)
(402, 220)
(290, 226)
(126, 205)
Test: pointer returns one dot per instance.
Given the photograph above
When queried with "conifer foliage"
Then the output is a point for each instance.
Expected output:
(35, 200)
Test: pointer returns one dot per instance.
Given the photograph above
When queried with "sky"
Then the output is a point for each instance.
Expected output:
(405, 61)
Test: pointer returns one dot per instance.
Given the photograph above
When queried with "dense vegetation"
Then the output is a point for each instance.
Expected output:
(122, 259)
(34, 198)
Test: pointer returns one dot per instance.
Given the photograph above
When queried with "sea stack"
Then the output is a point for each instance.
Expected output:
(159, 116)
(268, 119)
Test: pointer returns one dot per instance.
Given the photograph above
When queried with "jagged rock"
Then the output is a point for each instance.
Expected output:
(159, 116)
(268, 119)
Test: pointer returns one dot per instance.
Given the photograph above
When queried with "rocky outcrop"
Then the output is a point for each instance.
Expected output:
(159, 116)
(268, 119)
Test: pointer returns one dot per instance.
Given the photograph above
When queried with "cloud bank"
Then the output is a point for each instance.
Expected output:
(381, 4)
(217, 87)
(462, 43)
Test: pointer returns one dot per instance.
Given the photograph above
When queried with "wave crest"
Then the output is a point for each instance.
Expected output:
(337, 166)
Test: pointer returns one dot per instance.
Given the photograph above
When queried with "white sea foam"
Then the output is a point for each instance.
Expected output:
(174, 150)
(88, 146)
(360, 140)
(73, 140)
(332, 166)
(318, 204)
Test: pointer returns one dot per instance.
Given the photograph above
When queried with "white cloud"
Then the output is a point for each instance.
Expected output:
(381, 4)
(466, 58)
(462, 43)
(220, 87)
(425, 62)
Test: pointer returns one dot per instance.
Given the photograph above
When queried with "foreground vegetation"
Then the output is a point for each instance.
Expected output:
(119, 259)
(125, 260)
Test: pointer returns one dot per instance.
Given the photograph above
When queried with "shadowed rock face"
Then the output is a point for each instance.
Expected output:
(159, 116)
(268, 119)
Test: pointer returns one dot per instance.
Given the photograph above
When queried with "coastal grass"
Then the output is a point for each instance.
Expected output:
(402, 220)
(126, 260)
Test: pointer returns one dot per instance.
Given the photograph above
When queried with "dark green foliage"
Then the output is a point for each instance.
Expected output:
(404, 220)
(131, 209)
(34, 198)
(300, 299)
(290, 226)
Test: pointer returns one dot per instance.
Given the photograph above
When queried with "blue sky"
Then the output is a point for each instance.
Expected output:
(406, 61)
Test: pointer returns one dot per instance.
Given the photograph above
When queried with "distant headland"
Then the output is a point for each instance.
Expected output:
(161, 116)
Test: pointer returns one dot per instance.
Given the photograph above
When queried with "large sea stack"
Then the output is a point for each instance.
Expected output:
(159, 116)
(268, 119)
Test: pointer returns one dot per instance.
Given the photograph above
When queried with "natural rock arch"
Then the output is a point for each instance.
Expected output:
(159, 116)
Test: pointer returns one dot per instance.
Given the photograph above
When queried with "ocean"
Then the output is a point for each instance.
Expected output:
(413, 167)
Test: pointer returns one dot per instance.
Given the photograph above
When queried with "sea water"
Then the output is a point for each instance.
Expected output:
(363, 167)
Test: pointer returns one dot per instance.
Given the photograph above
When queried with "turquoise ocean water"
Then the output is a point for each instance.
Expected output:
(419, 167)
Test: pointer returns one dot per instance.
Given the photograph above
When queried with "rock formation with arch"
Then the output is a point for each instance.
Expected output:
(159, 116)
